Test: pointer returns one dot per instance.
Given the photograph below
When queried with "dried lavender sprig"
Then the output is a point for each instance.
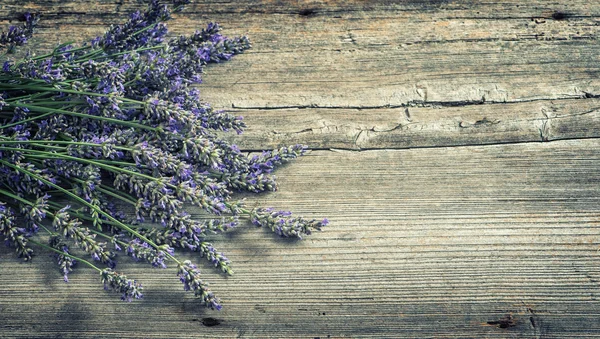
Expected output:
(44, 154)
(284, 224)
(134, 248)
(65, 263)
(193, 242)
(128, 288)
(72, 228)
(83, 202)
(189, 275)
(13, 234)
(218, 259)
(143, 251)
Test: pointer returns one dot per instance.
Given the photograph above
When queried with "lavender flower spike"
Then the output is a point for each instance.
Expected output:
(65, 263)
(189, 275)
(128, 288)
(283, 224)
(17, 36)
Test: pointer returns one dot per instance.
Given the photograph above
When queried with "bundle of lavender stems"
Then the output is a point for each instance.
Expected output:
(104, 146)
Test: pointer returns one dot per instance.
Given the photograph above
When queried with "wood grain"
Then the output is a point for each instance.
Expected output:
(456, 154)
(423, 243)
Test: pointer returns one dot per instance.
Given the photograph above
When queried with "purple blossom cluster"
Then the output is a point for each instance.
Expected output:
(190, 277)
(116, 128)
(129, 289)
(18, 35)
(65, 262)
(13, 234)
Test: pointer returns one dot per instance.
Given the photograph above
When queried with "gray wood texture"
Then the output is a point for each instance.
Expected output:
(455, 152)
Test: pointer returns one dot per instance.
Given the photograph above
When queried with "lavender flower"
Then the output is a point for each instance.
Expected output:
(189, 275)
(14, 235)
(142, 29)
(129, 289)
(142, 251)
(17, 36)
(35, 213)
(218, 259)
(65, 263)
(284, 224)
(72, 228)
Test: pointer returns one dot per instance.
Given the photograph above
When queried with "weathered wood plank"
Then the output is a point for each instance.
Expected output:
(440, 242)
(420, 126)
(358, 55)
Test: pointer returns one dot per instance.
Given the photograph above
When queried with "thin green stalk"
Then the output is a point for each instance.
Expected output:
(134, 50)
(241, 209)
(26, 120)
(88, 116)
(64, 90)
(54, 52)
(26, 97)
(112, 193)
(63, 104)
(89, 56)
(82, 216)
(60, 142)
(9, 82)
(47, 155)
(25, 149)
(25, 201)
(65, 254)
(117, 196)
(123, 163)
(16, 197)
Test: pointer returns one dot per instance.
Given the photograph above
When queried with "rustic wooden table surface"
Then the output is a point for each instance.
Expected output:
(454, 148)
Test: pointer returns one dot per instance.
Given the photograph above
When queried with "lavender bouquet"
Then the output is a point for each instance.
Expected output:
(102, 147)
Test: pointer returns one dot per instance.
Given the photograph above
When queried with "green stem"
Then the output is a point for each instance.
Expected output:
(9, 82)
(88, 116)
(134, 50)
(61, 142)
(241, 209)
(65, 90)
(89, 56)
(26, 120)
(48, 155)
(26, 97)
(117, 196)
(82, 216)
(25, 201)
(16, 197)
(230, 206)
(55, 52)
(65, 254)
(105, 236)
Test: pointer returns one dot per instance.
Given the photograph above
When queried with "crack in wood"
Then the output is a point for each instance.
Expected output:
(399, 148)
(482, 122)
(417, 103)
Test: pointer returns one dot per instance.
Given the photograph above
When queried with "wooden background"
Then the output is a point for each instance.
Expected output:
(455, 152)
